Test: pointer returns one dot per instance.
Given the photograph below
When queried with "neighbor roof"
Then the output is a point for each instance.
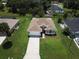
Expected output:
(55, 7)
(10, 22)
(36, 24)
(73, 24)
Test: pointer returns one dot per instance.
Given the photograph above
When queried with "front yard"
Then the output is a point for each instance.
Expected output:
(19, 41)
(58, 47)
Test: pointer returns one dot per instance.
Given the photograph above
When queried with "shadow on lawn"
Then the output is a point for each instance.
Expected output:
(7, 45)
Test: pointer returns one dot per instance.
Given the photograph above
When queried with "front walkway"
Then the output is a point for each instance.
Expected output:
(33, 49)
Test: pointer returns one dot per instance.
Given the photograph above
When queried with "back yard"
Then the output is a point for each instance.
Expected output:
(58, 47)
(19, 41)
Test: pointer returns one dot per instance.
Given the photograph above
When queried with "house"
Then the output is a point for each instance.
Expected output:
(56, 9)
(73, 25)
(12, 23)
(39, 26)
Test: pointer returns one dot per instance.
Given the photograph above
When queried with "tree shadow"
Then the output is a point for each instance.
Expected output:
(7, 45)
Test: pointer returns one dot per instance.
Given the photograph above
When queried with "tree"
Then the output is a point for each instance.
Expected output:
(46, 4)
(65, 15)
(14, 9)
(22, 11)
(60, 20)
(1, 6)
(23, 6)
(66, 31)
(19, 5)
(40, 13)
(35, 10)
(74, 4)
(4, 28)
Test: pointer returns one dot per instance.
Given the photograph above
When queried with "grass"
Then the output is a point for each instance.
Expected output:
(19, 40)
(58, 47)
(61, 5)
(6, 13)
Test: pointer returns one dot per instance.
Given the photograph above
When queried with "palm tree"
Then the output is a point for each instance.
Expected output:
(4, 28)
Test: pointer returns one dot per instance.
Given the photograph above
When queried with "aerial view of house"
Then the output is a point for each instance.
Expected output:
(39, 29)
(35, 27)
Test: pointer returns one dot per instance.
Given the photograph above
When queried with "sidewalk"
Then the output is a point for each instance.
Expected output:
(2, 38)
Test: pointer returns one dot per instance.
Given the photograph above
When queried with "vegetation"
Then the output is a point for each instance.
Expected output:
(60, 20)
(66, 31)
(71, 4)
(4, 28)
(58, 47)
(19, 40)
(70, 13)
(1, 6)
(28, 6)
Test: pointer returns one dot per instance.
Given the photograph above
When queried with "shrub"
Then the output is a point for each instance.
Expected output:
(66, 31)
(60, 20)
(1, 6)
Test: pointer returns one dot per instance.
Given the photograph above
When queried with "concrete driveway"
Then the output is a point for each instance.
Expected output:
(2, 38)
(32, 51)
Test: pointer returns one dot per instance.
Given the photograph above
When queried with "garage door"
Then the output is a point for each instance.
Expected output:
(34, 34)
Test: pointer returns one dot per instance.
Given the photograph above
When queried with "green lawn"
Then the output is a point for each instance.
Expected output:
(57, 47)
(61, 5)
(6, 13)
(19, 40)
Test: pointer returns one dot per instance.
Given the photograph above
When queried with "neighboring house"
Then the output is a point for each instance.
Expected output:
(73, 25)
(12, 23)
(56, 9)
(35, 29)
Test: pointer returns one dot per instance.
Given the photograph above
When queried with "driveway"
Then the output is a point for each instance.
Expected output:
(2, 38)
(32, 51)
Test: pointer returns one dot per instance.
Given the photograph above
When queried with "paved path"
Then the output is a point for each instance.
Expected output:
(2, 38)
(33, 49)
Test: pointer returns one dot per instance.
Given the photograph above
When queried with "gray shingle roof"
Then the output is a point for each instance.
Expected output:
(56, 8)
(73, 24)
